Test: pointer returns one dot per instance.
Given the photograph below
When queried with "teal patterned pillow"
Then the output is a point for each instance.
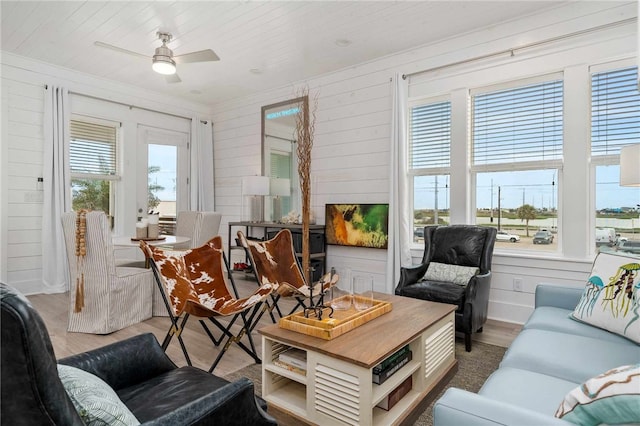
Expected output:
(450, 273)
(95, 401)
(611, 398)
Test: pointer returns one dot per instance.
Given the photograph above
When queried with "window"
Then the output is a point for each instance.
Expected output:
(516, 155)
(615, 122)
(92, 159)
(429, 163)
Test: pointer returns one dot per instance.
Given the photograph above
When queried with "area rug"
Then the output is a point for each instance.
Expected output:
(473, 369)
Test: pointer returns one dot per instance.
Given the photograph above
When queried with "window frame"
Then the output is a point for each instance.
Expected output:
(114, 179)
(555, 165)
(596, 161)
(412, 172)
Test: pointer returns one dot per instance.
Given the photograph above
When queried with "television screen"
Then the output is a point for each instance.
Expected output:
(359, 225)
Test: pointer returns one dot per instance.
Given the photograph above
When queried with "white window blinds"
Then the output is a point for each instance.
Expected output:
(430, 132)
(615, 110)
(518, 125)
(92, 149)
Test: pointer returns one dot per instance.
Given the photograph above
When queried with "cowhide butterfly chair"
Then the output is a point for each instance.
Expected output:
(275, 261)
(193, 283)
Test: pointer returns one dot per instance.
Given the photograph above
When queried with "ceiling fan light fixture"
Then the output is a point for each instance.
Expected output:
(164, 65)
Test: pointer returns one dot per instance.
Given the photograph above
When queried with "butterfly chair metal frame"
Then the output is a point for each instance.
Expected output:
(193, 283)
(275, 261)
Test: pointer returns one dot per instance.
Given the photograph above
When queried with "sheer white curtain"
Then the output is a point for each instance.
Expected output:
(202, 176)
(398, 253)
(57, 189)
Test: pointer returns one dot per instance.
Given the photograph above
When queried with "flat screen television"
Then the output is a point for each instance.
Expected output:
(357, 225)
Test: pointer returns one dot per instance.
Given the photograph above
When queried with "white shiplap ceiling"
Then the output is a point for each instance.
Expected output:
(285, 41)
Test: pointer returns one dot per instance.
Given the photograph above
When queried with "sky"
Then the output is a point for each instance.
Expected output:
(164, 156)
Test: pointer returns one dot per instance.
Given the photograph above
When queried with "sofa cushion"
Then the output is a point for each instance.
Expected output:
(528, 389)
(168, 391)
(612, 398)
(95, 401)
(450, 273)
(611, 298)
(566, 356)
(557, 319)
(437, 291)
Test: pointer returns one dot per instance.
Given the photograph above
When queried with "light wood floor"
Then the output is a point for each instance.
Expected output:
(54, 308)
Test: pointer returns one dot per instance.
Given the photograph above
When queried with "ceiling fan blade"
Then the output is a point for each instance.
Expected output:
(200, 56)
(172, 78)
(120, 49)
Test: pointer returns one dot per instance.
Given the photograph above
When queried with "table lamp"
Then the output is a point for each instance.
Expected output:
(255, 187)
(278, 188)
(630, 165)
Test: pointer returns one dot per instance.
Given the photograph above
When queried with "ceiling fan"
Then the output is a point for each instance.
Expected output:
(163, 61)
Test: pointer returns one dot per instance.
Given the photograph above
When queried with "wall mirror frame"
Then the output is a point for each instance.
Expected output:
(279, 157)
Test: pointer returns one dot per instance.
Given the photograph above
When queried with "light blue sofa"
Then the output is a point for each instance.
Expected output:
(552, 355)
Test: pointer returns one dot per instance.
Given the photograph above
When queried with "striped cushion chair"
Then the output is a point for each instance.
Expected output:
(103, 298)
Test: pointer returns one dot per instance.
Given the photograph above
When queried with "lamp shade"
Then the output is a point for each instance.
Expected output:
(280, 187)
(255, 185)
(630, 165)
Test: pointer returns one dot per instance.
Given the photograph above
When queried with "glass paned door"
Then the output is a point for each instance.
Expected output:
(165, 182)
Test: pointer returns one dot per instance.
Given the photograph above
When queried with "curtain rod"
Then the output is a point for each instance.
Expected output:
(129, 105)
(512, 50)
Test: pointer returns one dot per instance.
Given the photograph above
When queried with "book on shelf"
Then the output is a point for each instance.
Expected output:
(294, 357)
(396, 395)
(289, 367)
(382, 376)
(390, 359)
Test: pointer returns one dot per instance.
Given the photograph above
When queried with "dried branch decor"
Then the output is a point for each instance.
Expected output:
(305, 127)
(81, 252)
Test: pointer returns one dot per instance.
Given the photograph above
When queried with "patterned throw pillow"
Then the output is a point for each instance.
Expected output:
(95, 401)
(611, 298)
(610, 398)
(450, 273)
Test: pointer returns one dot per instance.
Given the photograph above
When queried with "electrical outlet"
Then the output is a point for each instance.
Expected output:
(517, 284)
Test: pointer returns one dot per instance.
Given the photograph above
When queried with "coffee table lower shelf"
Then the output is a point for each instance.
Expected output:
(337, 392)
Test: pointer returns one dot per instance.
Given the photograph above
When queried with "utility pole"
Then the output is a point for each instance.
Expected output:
(491, 220)
(435, 216)
(499, 209)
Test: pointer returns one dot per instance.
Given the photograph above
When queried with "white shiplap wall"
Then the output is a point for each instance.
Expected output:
(22, 86)
(350, 159)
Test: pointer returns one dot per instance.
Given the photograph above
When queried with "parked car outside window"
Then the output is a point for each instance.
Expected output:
(505, 236)
(629, 246)
(543, 237)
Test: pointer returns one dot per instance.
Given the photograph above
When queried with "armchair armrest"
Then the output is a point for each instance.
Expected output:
(476, 302)
(557, 296)
(124, 363)
(232, 404)
(411, 275)
(458, 407)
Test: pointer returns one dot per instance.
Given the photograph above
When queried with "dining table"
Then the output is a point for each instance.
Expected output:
(163, 240)
(125, 242)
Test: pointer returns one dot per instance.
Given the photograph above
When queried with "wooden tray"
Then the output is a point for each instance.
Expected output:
(340, 323)
(148, 239)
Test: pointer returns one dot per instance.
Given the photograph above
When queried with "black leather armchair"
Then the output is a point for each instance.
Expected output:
(462, 245)
(148, 383)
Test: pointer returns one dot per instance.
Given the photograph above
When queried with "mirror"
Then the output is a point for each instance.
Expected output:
(279, 158)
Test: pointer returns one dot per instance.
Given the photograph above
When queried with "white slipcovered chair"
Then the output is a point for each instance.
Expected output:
(200, 227)
(111, 297)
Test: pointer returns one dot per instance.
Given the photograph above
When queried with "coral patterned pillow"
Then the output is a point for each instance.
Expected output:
(611, 298)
